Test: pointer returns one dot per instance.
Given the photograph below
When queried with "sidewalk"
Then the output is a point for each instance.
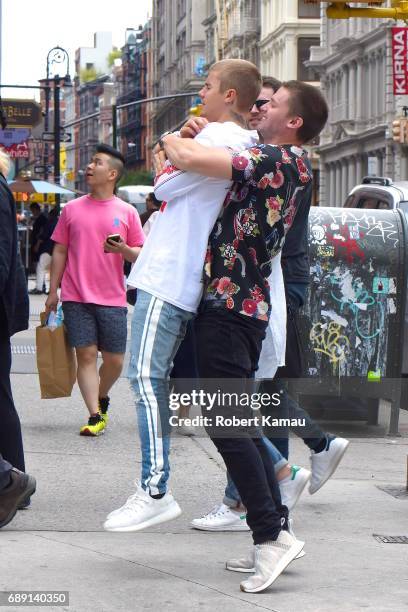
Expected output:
(59, 544)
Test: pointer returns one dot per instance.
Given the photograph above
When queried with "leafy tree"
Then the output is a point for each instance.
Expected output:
(136, 177)
(114, 54)
(89, 74)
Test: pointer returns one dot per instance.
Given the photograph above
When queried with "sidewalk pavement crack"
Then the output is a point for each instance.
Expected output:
(205, 451)
(155, 569)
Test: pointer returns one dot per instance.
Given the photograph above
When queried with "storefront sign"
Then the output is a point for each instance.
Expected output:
(17, 151)
(399, 38)
(21, 113)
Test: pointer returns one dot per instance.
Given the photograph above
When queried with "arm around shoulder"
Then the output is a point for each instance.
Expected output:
(191, 156)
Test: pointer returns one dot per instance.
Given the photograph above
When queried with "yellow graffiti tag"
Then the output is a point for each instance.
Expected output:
(329, 341)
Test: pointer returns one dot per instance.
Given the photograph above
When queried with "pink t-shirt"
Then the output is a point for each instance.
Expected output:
(92, 276)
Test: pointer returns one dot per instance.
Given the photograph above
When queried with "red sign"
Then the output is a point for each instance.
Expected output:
(400, 60)
(17, 150)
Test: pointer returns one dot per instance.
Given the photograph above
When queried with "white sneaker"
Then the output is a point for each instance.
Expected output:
(292, 533)
(142, 511)
(324, 464)
(292, 486)
(247, 564)
(221, 518)
(243, 564)
(271, 559)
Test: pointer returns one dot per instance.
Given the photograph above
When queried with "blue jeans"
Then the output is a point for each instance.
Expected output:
(231, 496)
(157, 331)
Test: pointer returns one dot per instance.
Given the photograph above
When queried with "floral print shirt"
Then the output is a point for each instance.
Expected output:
(269, 184)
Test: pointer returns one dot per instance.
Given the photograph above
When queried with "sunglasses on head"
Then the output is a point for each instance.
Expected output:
(261, 102)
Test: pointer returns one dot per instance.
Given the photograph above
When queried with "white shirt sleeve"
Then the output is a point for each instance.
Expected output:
(176, 183)
(274, 345)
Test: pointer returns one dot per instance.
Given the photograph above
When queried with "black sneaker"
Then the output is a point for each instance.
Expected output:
(20, 489)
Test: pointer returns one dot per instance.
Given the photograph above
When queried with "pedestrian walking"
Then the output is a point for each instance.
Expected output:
(15, 487)
(39, 221)
(94, 235)
(45, 248)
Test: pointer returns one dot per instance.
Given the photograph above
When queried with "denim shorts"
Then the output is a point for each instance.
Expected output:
(88, 324)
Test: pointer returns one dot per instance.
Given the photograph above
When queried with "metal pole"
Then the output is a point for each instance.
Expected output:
(57, 136)
(134, 103)
(114, 126)
(46, 124)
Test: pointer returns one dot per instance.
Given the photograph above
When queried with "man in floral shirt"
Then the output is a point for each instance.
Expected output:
(270, 183)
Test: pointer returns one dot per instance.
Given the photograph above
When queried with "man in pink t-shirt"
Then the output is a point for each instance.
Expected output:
(94, 234)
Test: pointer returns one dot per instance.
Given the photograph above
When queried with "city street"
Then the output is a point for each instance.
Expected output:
(59, 543)
(245, 162)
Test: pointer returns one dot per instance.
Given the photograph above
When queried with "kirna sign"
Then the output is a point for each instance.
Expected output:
(399, 38)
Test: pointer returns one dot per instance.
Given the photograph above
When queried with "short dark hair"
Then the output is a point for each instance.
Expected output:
(308, 102)
(271, 83)
(118, 161)
(153, 198)
(35, 205)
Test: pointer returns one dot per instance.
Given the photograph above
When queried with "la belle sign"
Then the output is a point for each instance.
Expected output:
(22, 113)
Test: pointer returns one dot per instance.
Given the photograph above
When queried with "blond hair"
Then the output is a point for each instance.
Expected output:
(4, 162)
(241, 75)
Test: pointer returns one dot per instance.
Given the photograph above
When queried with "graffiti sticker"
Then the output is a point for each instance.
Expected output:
(381, 284)
(325, 250)
(354, 232)
(318, 234)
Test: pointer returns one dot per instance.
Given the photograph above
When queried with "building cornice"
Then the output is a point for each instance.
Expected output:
(300, 28)
(353, 138)
(348, 48)
(209, 20)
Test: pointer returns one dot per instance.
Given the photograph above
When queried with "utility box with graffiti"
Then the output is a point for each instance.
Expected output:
(352, 325)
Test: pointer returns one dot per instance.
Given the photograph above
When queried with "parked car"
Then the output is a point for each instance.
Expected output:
(135, 195)
(378, 192)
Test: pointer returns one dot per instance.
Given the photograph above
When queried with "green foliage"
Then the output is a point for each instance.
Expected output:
(89, 74)
(136, 177)
(114, 54)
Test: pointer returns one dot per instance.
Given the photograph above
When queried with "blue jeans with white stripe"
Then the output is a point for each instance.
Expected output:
(157, 331)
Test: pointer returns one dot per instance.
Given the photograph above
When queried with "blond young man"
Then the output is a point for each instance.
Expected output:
(168, 277)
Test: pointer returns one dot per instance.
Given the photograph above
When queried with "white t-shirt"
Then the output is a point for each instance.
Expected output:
(170, 265)
(274, 345)
(149, 223)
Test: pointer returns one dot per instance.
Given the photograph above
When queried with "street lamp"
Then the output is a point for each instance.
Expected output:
(55, 57)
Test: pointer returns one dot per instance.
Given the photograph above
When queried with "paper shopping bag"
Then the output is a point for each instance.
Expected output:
(55, 361)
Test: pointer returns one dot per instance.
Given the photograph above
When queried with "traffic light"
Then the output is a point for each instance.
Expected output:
(374, 9)
(195, 111)
(400, 130)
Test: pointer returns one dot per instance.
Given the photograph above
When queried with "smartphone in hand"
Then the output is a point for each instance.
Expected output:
(112, 238)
